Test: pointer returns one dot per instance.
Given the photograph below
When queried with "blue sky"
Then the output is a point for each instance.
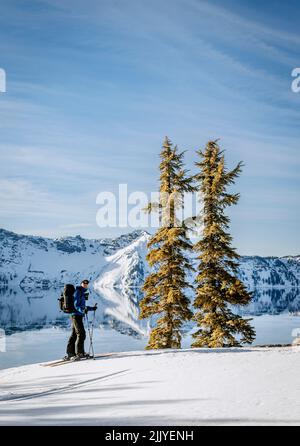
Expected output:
(94, 86)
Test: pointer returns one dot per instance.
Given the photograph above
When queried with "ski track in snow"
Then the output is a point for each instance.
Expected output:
(55, 390)
(173, 387)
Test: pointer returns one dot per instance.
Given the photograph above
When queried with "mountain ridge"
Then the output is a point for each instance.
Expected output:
(41, 262)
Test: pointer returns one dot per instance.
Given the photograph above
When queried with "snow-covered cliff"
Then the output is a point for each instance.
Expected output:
(33, 263)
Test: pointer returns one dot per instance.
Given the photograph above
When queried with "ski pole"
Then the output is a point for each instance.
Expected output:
(91, 348)
(91, 344)
(92, 333)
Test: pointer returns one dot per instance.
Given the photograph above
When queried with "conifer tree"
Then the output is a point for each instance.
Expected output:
(217, 285)
(164, 288)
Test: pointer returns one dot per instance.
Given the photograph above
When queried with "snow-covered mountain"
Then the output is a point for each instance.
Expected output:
(266, 272)
(34, 263)
(34, 269)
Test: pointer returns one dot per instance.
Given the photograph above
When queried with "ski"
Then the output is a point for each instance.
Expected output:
(63, 361)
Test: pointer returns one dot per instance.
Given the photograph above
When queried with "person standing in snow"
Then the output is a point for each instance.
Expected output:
(75, 347)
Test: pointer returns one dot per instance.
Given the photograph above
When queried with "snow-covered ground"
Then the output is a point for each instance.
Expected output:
(176, 387)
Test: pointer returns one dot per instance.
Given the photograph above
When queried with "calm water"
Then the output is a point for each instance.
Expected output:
(33, 329)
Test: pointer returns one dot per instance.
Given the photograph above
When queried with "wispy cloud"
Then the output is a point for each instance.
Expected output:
(21, 198)
(86, 107)
(76, 225)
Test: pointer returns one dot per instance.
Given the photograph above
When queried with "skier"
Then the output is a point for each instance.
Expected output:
(75, 347)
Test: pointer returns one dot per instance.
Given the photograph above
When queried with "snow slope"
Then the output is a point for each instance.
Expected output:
(177, 387)
(126, 268)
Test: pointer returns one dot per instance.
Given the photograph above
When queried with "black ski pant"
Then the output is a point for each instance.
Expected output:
(76, 340)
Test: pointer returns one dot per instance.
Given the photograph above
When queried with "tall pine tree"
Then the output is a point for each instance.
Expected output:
(164, 288)
(218, 287)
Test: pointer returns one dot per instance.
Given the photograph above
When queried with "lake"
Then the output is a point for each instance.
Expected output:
(33, 330)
